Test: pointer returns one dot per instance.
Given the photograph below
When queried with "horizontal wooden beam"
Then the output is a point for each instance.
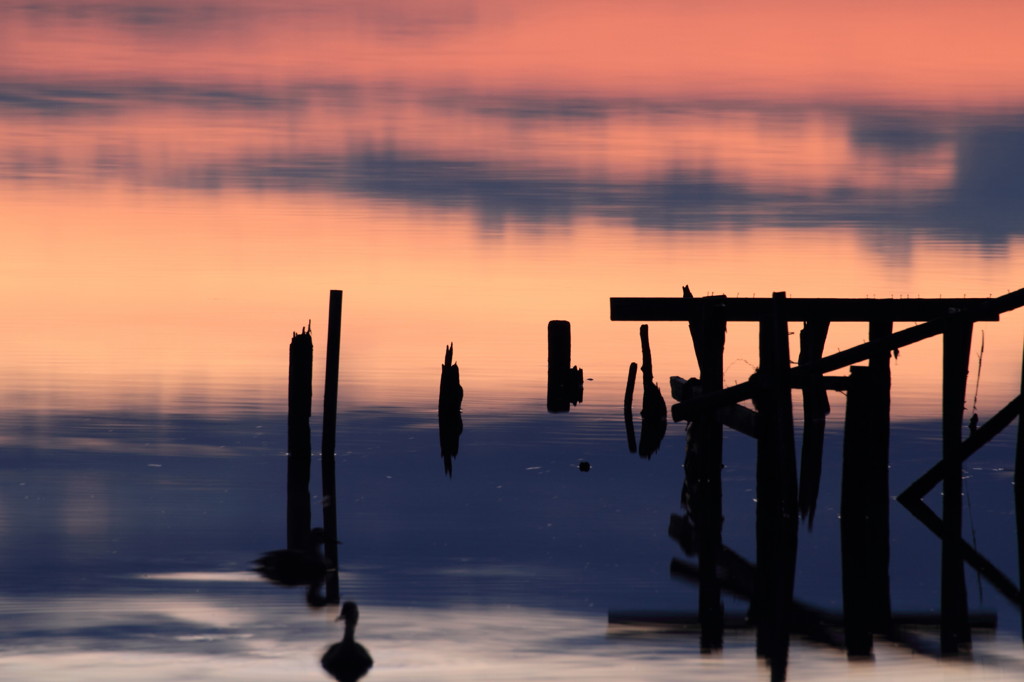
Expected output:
(797, 309)
(801, 373)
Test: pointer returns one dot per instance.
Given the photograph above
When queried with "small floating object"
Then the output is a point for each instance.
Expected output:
(584, 466)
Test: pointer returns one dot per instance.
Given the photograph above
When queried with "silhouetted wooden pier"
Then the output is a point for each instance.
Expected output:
(708, 405)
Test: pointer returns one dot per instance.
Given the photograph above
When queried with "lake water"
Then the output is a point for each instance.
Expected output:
(182, 184)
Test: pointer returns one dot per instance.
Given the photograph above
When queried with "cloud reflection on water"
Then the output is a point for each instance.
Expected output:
(178, 638)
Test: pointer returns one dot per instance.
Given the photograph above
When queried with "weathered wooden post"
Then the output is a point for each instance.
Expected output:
(300, 396)
(876, 464)
(955, 633)
(816, 408)
(565, 383)
(627, 408)
(332, 590)
(857, 543)
(449, 410)
(709, 345)
(653, 413)
(777, 514)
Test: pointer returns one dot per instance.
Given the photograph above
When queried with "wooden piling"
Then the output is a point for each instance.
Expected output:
(956, 347)
(565, 385)
(332, 590)
(627, 408)
(300, 395)
(776, 488)
(709, 344)
(858, 545)
(449, 410)
(876, 466)
(816, 408)
(1018, 491)
(653, 410)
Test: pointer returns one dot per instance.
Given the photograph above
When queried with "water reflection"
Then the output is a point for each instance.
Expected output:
(174, 196)
(304, 566)
(347, 660)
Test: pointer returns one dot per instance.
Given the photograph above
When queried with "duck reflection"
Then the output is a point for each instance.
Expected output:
(348, 660)
(296, 567)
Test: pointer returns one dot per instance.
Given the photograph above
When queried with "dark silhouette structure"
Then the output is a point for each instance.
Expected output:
(864, 524)
(328, 445)
(294, 567)
(348, 660)
(565, 382)
(300, 397)
(449, 410)
(653, 412)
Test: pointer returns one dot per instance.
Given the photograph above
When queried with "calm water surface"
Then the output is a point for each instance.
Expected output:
(181, 184)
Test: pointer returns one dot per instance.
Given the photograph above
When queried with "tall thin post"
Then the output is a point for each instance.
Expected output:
(858, 545)
(876, 463)
(300, 395)
(955, 634)
(328, 445)
(708, 436)
(776, 490)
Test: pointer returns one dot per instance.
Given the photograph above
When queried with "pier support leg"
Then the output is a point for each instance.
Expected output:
(777, 514)
(709, 343)
(955, 633)
(1018, 493)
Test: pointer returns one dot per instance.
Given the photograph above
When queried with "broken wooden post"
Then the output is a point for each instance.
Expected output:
(956, 349)
(449, 409)
(328, 437)
(653, 412)
(300, 396)
(816, 408)
(565, 383)
(627, 407)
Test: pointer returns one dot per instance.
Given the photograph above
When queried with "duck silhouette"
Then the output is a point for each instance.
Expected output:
(347, 660)
(294, 567)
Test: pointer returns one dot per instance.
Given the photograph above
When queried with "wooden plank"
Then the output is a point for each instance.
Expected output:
(655, 309)
(799, 374)
(986, 432)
